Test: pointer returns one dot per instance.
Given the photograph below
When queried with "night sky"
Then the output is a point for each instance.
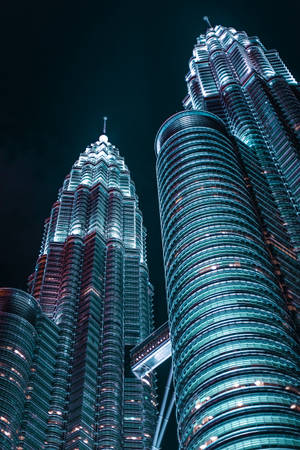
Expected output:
(65, 65)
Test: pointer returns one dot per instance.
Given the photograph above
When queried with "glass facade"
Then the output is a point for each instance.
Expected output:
(252, 91)
(89, 304)
(28, 343)
(228, 179)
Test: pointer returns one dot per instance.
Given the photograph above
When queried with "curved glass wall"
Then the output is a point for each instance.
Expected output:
(19, 312)
(234, 350)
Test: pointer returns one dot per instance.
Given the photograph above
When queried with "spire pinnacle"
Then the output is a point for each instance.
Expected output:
(103, 137)
(206, 19)
(104, 124)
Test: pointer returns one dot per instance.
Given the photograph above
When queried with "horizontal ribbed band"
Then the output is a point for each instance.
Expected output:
(183, 120)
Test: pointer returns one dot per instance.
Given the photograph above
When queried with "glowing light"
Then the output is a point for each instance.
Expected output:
(198, 404)
(103, 138)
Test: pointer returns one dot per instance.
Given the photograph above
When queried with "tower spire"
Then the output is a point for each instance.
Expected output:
(103, 137)
(206, 19)
(104, 124)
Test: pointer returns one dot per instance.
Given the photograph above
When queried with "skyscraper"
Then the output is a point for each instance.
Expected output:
(228, 178)
(64, 346)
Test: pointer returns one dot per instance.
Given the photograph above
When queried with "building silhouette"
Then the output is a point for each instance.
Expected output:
(65, 377)
(228, 179)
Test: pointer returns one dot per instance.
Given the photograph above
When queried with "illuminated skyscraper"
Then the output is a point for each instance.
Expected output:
(228, 176)
(64, 347)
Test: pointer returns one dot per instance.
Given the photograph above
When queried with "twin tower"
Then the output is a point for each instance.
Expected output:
(228, 172)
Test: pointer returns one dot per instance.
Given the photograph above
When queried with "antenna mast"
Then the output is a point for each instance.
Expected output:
(104, 124)
(206, 19)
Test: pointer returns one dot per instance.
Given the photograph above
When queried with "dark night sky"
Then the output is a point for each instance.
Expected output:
(65, 65)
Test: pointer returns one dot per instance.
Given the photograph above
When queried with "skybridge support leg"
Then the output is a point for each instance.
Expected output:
(161, 413)
(165, 421)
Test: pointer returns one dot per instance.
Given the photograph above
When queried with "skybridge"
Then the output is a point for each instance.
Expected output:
(152, 352)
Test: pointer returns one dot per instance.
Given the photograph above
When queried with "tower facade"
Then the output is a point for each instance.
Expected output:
(28, 346)
(227, 170)
(91, 288)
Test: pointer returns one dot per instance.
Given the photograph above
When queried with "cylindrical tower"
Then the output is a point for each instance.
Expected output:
(18, 316)
(235, 358)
